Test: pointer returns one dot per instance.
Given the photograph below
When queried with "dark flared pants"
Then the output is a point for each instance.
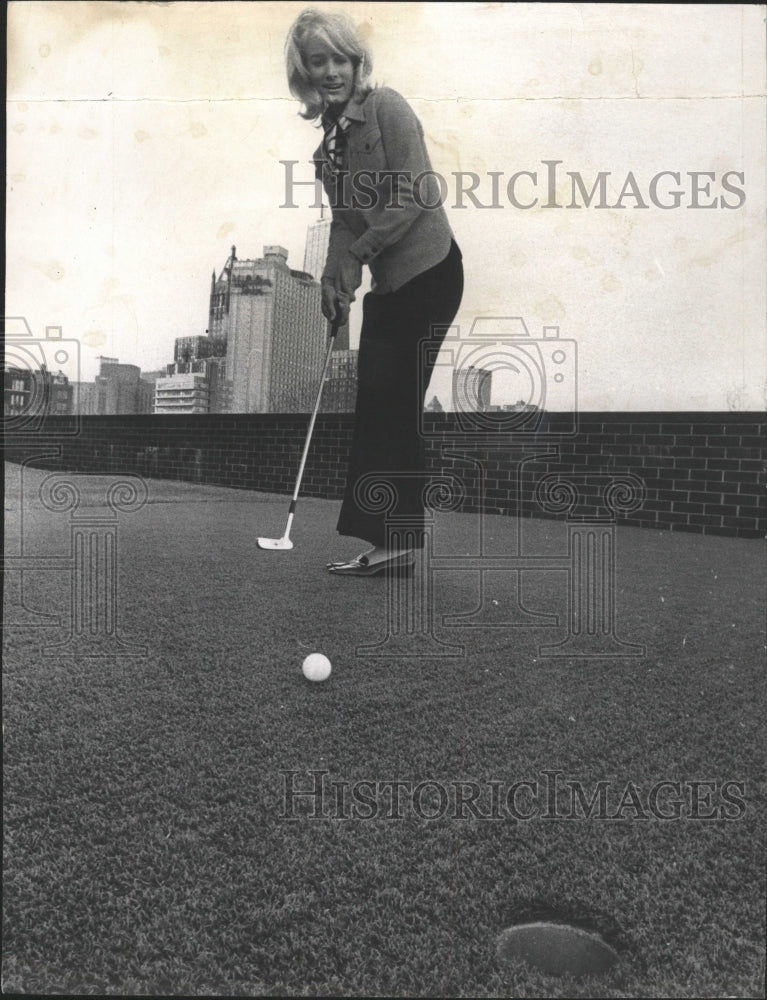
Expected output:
(393, 377)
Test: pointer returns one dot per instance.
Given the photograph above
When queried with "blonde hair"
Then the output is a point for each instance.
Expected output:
(343, 36)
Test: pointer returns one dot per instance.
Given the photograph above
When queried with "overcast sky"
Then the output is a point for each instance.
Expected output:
(145, 139)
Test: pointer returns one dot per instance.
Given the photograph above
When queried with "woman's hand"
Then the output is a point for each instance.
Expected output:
(349, 276)
(338, 295)
(335, 305)
(342, 310)
(328, 300)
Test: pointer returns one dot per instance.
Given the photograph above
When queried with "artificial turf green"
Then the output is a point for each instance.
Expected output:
(146, 846)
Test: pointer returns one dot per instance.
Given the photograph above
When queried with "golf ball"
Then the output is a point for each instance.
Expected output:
(316, 667)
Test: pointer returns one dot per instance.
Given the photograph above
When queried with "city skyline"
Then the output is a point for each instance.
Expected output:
(262, 351)
(170, 128)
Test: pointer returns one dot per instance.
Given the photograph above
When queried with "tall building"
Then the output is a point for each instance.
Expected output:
(182, 392)
(117, 389)
(121, 388)
(88, 398)
(188, 348)
(30, 392)
(472, 389)
(20, 389)
(315, 255)
(316, 249)
(339, 394)
(266, 321)
(151, 377)
(191, 385)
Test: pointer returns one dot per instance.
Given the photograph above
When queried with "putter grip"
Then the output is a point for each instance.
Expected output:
(334, 328)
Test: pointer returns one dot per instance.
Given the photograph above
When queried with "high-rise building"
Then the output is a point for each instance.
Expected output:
(472, 389)
(189, 348)
(22, 392)
(120, 389)
(201, 356)
(316, 249)
(29, 392)
(182, 392)
(151, 377)
(315, 255)
(266, 321)
(117, 389)
(192, 385)
(339, 394)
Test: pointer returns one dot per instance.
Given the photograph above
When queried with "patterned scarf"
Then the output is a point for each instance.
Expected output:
(334, 143)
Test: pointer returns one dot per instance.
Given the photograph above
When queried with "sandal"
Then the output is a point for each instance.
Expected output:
(401, 565)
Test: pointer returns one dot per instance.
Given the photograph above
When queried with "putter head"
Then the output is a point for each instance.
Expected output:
(275, 543)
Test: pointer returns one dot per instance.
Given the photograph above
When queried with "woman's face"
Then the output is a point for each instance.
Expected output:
(331, 72)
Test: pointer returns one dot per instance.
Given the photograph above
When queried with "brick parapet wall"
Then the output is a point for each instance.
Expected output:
(699, 472)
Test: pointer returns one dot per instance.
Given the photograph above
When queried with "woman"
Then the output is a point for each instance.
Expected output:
(386, 214)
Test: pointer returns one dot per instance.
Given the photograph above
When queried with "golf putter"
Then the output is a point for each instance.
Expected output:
(285, 542)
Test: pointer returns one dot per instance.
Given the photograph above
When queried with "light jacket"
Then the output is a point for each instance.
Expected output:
(385, 220)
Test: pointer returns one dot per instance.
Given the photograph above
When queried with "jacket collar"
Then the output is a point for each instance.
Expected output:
(354, 111)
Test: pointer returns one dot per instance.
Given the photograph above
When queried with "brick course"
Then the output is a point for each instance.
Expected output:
(702, 472)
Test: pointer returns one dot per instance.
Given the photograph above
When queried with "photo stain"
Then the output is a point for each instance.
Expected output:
(53, 270)
(93, 338)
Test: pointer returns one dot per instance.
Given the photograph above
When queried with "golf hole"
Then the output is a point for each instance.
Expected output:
(554, 943)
